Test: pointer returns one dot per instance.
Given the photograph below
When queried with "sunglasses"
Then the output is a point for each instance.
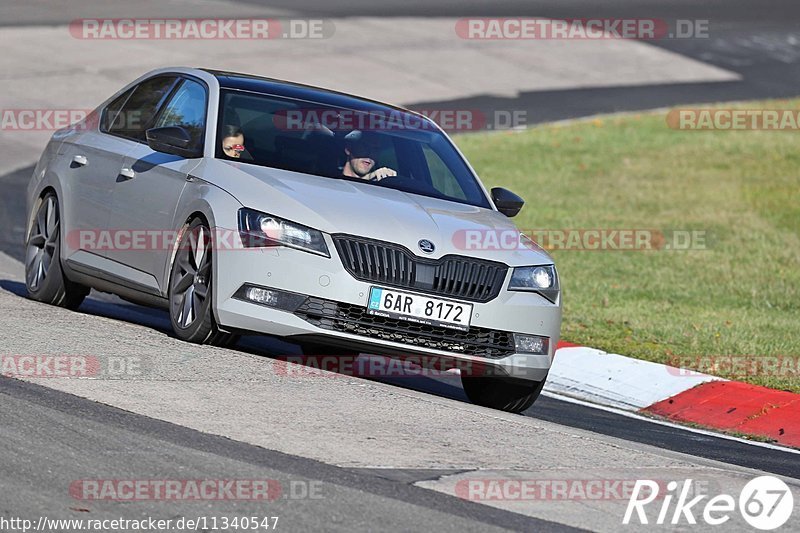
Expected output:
(238, 148)
(359, 152)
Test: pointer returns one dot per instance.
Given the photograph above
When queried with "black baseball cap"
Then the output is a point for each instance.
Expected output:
(362, 144)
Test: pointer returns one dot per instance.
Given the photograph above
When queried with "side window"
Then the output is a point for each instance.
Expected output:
(140, 108)
(111, 114)
(187, 109)
(387, 155)
(441, 178)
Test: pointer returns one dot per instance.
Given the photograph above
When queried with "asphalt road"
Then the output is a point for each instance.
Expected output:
(761, 42)
(367, 446)
(547, 408)
(773, 12)
(71, 436)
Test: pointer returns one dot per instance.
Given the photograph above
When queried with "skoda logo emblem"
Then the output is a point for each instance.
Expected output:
(426, 246)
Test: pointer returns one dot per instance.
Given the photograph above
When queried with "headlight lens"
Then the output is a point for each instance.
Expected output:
(541, 279)
(259, 230)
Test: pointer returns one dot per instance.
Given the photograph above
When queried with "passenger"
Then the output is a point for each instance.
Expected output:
(233, 143)
(361, 150)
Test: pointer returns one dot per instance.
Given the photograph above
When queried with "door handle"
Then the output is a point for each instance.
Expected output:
(127, 173)
(80, 160)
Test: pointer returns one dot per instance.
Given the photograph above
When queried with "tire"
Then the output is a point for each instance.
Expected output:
(504, 394)
(44, 277)
(190, 290)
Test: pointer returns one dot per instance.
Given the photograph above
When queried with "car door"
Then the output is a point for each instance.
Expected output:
(96, 158)
(98, 162)
(92, 160)
(146, 200)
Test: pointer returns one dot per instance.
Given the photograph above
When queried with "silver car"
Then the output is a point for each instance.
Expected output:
(251, 205)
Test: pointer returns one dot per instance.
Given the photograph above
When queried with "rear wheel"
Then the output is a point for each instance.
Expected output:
(44, 277)
(504, 394)
(190, 290)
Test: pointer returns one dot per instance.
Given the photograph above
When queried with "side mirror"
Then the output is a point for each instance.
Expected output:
(173, 140)
(507, 202)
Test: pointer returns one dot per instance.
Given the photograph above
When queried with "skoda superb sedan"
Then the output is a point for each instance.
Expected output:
(250, 205)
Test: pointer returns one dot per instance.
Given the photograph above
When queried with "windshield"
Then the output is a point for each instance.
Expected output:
(391, 149)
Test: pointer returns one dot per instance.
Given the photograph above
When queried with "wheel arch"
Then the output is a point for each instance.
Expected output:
(184, 224)
(44, 191)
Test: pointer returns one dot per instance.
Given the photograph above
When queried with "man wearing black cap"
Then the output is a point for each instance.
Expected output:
(361, 150)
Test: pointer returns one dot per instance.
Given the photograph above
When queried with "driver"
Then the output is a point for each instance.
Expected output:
(361, 150)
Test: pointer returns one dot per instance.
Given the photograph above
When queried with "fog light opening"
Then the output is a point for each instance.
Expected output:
(531, 344)
(283, 300)
(261, 296)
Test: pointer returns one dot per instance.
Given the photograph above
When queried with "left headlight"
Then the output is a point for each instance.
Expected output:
(259, 230)
(541, 279)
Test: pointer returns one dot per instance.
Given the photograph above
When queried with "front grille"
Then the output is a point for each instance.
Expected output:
(390, 264)
(354, 319)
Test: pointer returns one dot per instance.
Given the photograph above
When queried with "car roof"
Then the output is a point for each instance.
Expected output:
(288, 89)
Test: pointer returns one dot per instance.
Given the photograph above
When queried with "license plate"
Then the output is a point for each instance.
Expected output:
(419, 309)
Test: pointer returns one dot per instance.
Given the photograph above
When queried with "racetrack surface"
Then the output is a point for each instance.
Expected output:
(386, 452)
(759, 43)
(384, 438)
(86, 440)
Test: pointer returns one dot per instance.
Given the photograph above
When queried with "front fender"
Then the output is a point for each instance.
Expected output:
(216, 205)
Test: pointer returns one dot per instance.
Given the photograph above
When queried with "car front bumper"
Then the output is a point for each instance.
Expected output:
(333, 312)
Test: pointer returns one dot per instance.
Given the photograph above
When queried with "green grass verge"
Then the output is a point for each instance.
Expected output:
(738, 297)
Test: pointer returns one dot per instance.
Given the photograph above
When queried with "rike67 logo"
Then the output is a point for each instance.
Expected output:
(766, 503)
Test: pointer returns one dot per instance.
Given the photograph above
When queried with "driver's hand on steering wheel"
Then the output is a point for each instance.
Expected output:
(383, 172)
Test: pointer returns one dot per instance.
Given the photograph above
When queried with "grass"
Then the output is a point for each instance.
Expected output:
(738, 297)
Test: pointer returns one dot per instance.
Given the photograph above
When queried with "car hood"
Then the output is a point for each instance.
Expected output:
(372, 211)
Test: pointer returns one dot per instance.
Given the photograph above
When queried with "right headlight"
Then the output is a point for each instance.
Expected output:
(541, 279)
(259, 230)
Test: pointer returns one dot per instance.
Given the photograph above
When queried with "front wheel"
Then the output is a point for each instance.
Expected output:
(504, 394)
(190, 290)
